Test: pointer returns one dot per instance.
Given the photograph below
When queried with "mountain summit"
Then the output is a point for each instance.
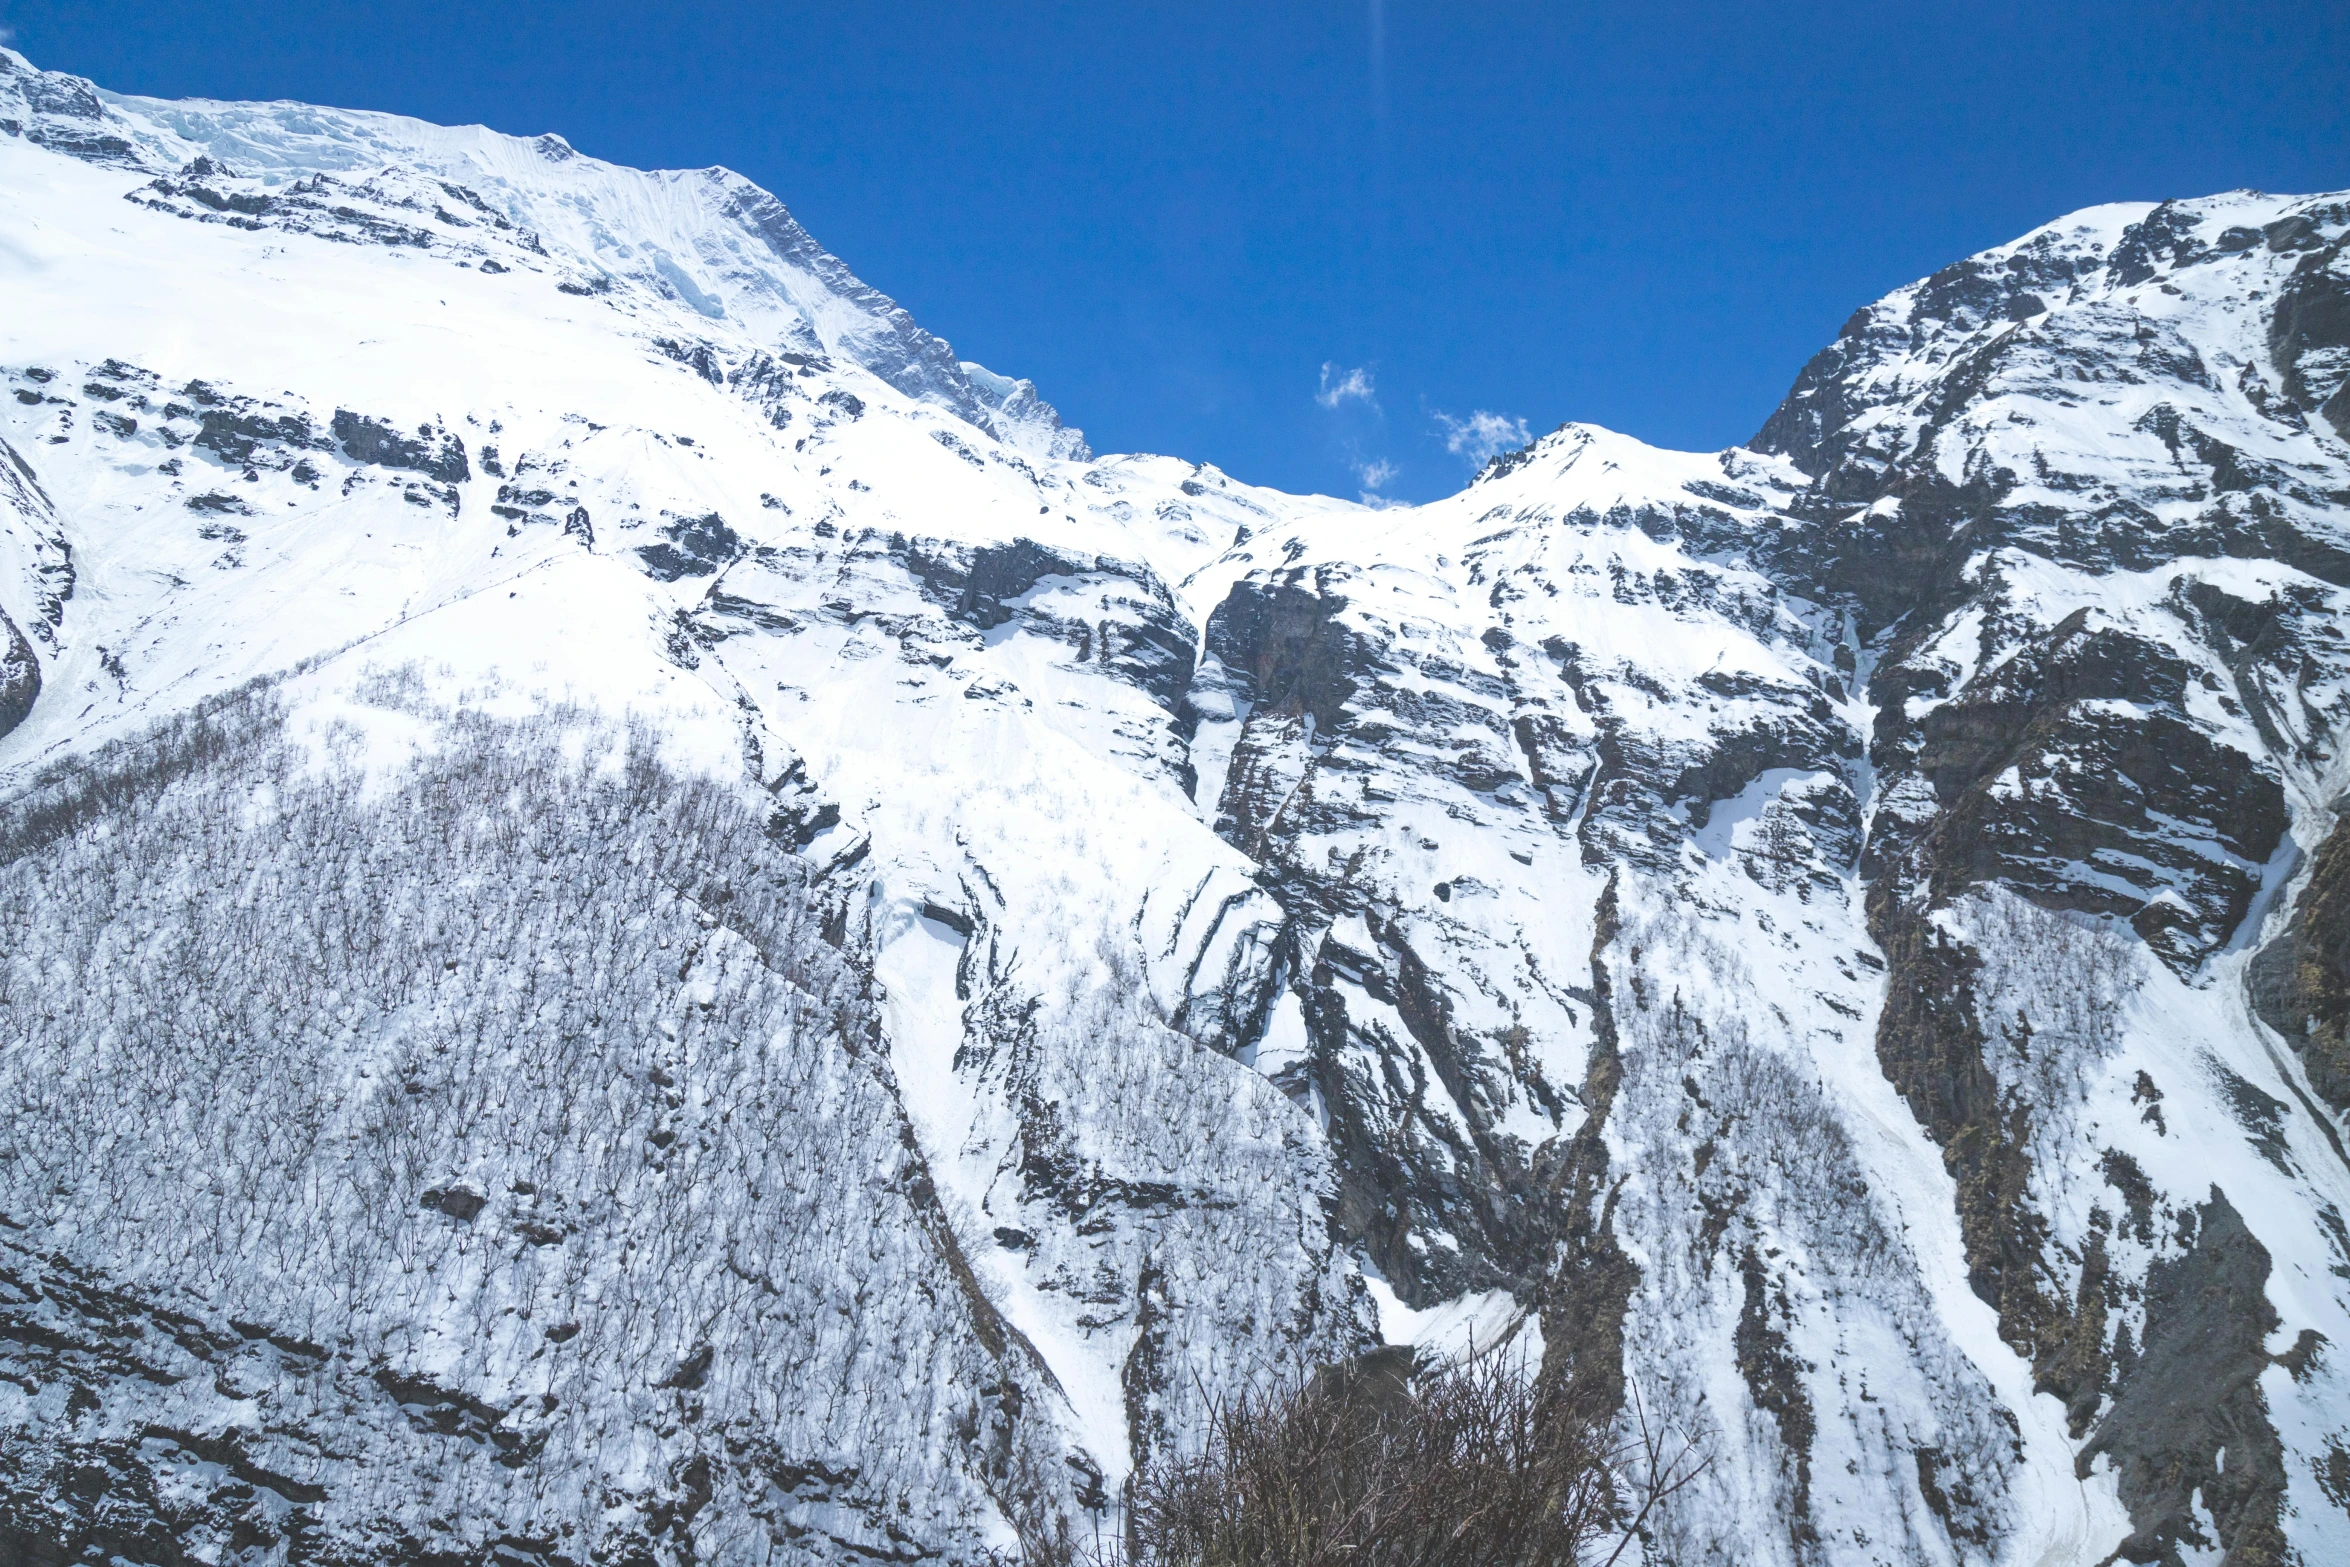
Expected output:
(643, 919)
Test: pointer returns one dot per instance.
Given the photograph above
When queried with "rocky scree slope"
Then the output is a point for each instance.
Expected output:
(782, 965)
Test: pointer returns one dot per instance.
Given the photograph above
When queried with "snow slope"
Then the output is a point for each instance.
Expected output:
(1818, 936)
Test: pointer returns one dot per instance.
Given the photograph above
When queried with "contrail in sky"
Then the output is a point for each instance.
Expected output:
(1379, 59)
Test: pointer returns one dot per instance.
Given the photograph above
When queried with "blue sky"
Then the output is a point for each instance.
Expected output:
(1344, 246)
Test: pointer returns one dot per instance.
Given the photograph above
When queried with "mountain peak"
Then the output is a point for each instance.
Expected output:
(729, 250)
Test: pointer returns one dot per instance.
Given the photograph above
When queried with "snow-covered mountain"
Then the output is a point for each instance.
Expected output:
(646, 920)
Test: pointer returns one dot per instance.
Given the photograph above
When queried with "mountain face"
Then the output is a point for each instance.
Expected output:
(644, 920)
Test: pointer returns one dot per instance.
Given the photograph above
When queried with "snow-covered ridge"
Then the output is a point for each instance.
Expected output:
(707, 238)
(1837, 938)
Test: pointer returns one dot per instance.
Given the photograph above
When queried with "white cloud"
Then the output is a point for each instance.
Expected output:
(1376, 474)
(1340, 386)
(1482, 435)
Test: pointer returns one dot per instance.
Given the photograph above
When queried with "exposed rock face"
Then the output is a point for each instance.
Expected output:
(1018, 416)
(59, 112)
(429, 451)
(2035, 789)
(2189, 1430)
(20, 675)
(2301, 980)
(1835, 946)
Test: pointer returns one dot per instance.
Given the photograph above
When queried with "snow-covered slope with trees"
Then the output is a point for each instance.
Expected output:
(648, 920)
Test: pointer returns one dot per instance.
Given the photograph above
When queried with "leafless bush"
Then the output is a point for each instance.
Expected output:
(1388, 1463)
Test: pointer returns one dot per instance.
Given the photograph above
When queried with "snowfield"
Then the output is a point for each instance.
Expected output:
(643, 919)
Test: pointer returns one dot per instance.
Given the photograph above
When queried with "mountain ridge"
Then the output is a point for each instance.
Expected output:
(1836, 938)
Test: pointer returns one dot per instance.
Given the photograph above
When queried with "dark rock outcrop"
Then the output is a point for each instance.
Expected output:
(2072, 775)
(694, 547)
(20, 676)
(432, 451)
(2301, 981)
(1286, 637)
(2189, 1430)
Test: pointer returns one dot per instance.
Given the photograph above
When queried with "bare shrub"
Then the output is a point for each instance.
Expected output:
(1390, 1462)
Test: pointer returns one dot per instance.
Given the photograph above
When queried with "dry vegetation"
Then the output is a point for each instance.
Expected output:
(1393, 1463)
